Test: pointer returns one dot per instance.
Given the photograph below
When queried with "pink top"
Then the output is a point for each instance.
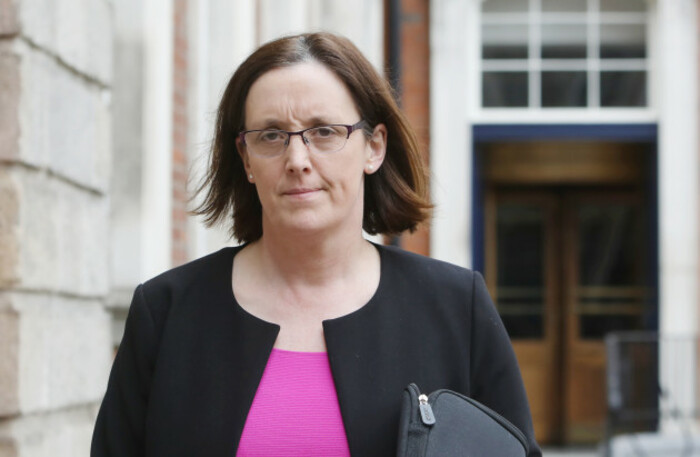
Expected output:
(295, 411)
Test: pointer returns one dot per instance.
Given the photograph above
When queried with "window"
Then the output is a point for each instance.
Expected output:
(564, 53)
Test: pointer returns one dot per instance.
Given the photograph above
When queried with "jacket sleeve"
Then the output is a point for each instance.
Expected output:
(120, 426)
(495, 375)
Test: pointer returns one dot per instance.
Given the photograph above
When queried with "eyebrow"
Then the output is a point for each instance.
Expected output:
(312, 122)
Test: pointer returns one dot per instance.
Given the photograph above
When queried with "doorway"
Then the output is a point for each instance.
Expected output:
(567, 260)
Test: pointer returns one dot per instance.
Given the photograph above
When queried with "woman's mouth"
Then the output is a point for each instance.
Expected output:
(301, 192)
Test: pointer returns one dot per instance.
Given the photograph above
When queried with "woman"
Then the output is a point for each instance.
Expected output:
(300, 341)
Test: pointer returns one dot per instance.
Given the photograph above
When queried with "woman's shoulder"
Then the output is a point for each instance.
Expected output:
(424, 279)
(204, 275)
(195, 268)
(412, 265)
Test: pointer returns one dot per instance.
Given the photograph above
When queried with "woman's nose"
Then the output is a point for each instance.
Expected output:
(297, 154)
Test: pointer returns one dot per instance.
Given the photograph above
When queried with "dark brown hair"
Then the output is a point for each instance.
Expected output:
(396, 195)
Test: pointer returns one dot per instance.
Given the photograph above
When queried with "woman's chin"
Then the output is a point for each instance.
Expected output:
(307, 225)
(298, 224)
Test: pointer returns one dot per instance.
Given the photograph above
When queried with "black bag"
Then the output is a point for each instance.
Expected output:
(449, 424)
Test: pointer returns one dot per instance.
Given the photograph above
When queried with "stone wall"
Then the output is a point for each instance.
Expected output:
(55, 153)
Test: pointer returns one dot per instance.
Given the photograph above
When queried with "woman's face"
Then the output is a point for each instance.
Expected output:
(302, 190)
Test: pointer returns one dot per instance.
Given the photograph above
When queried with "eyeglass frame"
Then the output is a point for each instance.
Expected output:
(351, 128)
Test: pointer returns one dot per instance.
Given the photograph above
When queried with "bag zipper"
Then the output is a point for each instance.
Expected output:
(426, 410)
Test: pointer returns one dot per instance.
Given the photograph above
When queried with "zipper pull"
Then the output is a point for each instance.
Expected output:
(426, 411)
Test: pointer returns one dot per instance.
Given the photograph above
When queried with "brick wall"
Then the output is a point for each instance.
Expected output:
(180, 126)
(415, 83)
(55, 86)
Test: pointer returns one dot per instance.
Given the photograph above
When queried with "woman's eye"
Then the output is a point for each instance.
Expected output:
(270, 136)
(324, 132)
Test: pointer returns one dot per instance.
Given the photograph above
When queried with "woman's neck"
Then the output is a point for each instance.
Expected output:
(297, 282)
(312, 259)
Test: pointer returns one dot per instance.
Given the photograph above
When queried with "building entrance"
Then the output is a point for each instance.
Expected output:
(566, 262)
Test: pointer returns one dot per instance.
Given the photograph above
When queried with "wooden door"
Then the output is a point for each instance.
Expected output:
(521, 272)
(606, 276)
(564, 267)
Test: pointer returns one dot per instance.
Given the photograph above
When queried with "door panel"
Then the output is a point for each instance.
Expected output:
(522, 281)
(605, 264)
(565, 267)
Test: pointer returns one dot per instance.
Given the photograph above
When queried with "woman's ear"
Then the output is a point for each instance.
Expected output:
(240, 147)
(376, 149)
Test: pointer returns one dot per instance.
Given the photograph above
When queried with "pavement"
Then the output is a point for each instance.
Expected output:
(570, 452)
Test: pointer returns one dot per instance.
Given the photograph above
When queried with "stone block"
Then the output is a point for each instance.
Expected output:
(78, 32)
(9, 100)
(64, 351)
(9, 363)
(118, 304)
(63, 234)
(9, 244)
(65, 433)
(8, 18)
(64, 121)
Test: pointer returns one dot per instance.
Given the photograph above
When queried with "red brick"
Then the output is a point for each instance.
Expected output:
(415, 81)
(180, 123)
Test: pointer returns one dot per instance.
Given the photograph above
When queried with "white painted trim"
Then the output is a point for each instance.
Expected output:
(564, 18)
(679, 187)
(283, 17)
(452, 25)
(652, 56)
(156, 219)
(678, 166)
(563, 116)
(229, 31)
(199, 127)
(565, 65)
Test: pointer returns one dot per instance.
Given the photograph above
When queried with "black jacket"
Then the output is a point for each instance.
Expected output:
(191, 358)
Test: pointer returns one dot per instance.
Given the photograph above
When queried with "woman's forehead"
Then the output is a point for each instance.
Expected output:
(302, 92)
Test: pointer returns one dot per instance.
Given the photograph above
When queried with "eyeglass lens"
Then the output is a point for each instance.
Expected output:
(323, 139)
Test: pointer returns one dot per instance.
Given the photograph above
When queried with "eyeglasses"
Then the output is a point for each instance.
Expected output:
(323, 139)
